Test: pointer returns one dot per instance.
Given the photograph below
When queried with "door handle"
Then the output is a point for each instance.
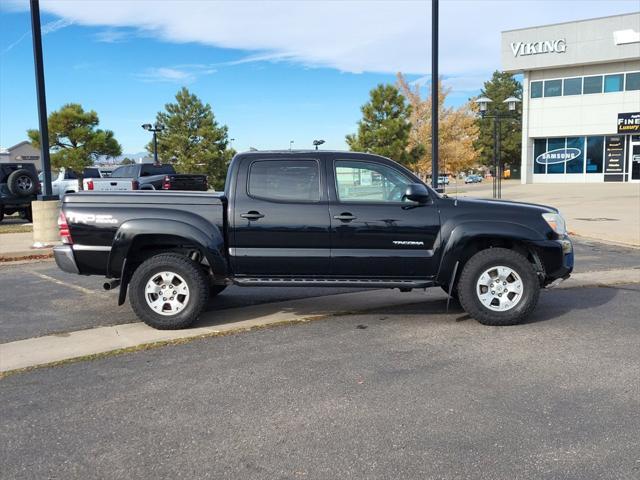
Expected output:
(252, 215)
(344, 217)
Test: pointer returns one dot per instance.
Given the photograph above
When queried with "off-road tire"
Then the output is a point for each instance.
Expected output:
(14, 181)
(193, 274)
(484, 260)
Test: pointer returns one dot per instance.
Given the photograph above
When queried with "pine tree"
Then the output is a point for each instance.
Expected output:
(384, 128)
(192, 139)
(501, 86)
(74, 139)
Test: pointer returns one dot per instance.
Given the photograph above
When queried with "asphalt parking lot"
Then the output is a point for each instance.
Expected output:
(409, 393)
(38, 299)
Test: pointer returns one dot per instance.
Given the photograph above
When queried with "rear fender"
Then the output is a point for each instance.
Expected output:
(150, 232)
(460, 244)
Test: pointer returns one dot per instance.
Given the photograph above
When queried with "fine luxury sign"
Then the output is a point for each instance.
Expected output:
(629, 122)
(521, 49)
(559, 155)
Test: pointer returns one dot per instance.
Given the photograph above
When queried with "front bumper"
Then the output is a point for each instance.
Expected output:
(556, 257)
(63, 255)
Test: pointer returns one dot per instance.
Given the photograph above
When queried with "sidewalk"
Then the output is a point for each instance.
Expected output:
(17, 246)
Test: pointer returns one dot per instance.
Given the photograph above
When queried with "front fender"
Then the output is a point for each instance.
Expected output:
(458, 243)
(210, 241)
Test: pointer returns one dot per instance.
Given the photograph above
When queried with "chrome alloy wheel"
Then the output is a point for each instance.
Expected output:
(167, 293)
(24, 183)
(499, 288)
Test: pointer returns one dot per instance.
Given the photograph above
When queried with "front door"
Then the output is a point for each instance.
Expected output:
(634, 159)
(280, 219)
(375, 232)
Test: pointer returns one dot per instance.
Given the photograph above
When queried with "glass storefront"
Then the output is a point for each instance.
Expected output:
(568, 155)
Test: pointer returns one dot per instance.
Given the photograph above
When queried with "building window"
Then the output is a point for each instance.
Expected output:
(553, 88)
(539, 147)
(576, 165)
(536, 89)
(613, 83)
(595, 149)
(572, 86)
(555, 144)
(592, 84)
(633, 81)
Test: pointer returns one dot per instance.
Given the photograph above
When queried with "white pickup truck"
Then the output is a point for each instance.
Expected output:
(66, 181)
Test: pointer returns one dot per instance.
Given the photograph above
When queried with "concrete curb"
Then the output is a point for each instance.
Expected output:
(56, 348)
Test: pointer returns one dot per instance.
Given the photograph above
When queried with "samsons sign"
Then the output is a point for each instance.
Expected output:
(559, 155)
(521, 49)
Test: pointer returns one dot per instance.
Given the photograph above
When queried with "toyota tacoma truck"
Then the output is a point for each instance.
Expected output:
(313, 218)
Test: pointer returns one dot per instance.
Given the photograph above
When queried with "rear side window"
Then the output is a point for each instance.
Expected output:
(149, 169)
(285, 180)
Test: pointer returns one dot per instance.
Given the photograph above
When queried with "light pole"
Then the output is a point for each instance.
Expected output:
(483, 104)
(155, 128)
(317, 143)
(290, 145)
(434, 94)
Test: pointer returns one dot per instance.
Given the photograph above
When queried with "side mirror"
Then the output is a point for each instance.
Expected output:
(416, 192)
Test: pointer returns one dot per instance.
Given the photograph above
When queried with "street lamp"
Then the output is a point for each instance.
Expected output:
(290, 144)
(317, 143)
(155, 128)
(483, 107)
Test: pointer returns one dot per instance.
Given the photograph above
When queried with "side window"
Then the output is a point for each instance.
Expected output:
(70, 175)
(369, 182)
(285, 180)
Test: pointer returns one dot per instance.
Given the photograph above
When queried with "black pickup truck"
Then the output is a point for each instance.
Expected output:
(309, 218)
(147, 176)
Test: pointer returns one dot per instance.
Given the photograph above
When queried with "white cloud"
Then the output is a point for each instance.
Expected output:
(45, 29)
(182, 74)
(348, 35)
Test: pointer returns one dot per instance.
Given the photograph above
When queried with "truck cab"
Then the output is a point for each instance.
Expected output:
(316, 218)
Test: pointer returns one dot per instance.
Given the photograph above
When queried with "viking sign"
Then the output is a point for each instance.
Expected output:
(559, 155)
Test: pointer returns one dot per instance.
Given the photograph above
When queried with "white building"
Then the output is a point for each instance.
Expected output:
(581, 99)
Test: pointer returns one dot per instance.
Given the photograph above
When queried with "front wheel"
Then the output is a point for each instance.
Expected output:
(498, 287)
(169, 291)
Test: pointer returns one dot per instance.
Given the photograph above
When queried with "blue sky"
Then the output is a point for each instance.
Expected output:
(273, 71)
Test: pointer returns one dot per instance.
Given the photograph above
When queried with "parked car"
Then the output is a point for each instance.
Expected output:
(148, 176)
(19, 186)
(473, 179)
(443, 180)
(66, 181)
(312, 218)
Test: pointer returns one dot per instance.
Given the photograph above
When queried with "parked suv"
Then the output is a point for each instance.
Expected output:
(19, 186)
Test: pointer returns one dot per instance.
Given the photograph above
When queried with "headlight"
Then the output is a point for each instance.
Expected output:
(556, 222)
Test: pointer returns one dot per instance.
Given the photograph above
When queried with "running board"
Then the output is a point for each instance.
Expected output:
(330, 282)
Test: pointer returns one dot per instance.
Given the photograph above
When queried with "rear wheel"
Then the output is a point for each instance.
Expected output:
(22, 183)
(498, 287)
(169, 291)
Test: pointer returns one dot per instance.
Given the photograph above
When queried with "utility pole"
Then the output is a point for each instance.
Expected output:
(36, 33)
(434, 93)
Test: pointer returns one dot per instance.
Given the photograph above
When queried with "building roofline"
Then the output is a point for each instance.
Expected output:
(571, 21)
(19, 144)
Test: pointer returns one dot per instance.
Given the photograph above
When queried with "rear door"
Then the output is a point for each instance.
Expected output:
(280, 218)
(375, 233)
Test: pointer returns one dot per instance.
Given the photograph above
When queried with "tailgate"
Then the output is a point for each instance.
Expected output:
(188, 182)
(112, 185)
